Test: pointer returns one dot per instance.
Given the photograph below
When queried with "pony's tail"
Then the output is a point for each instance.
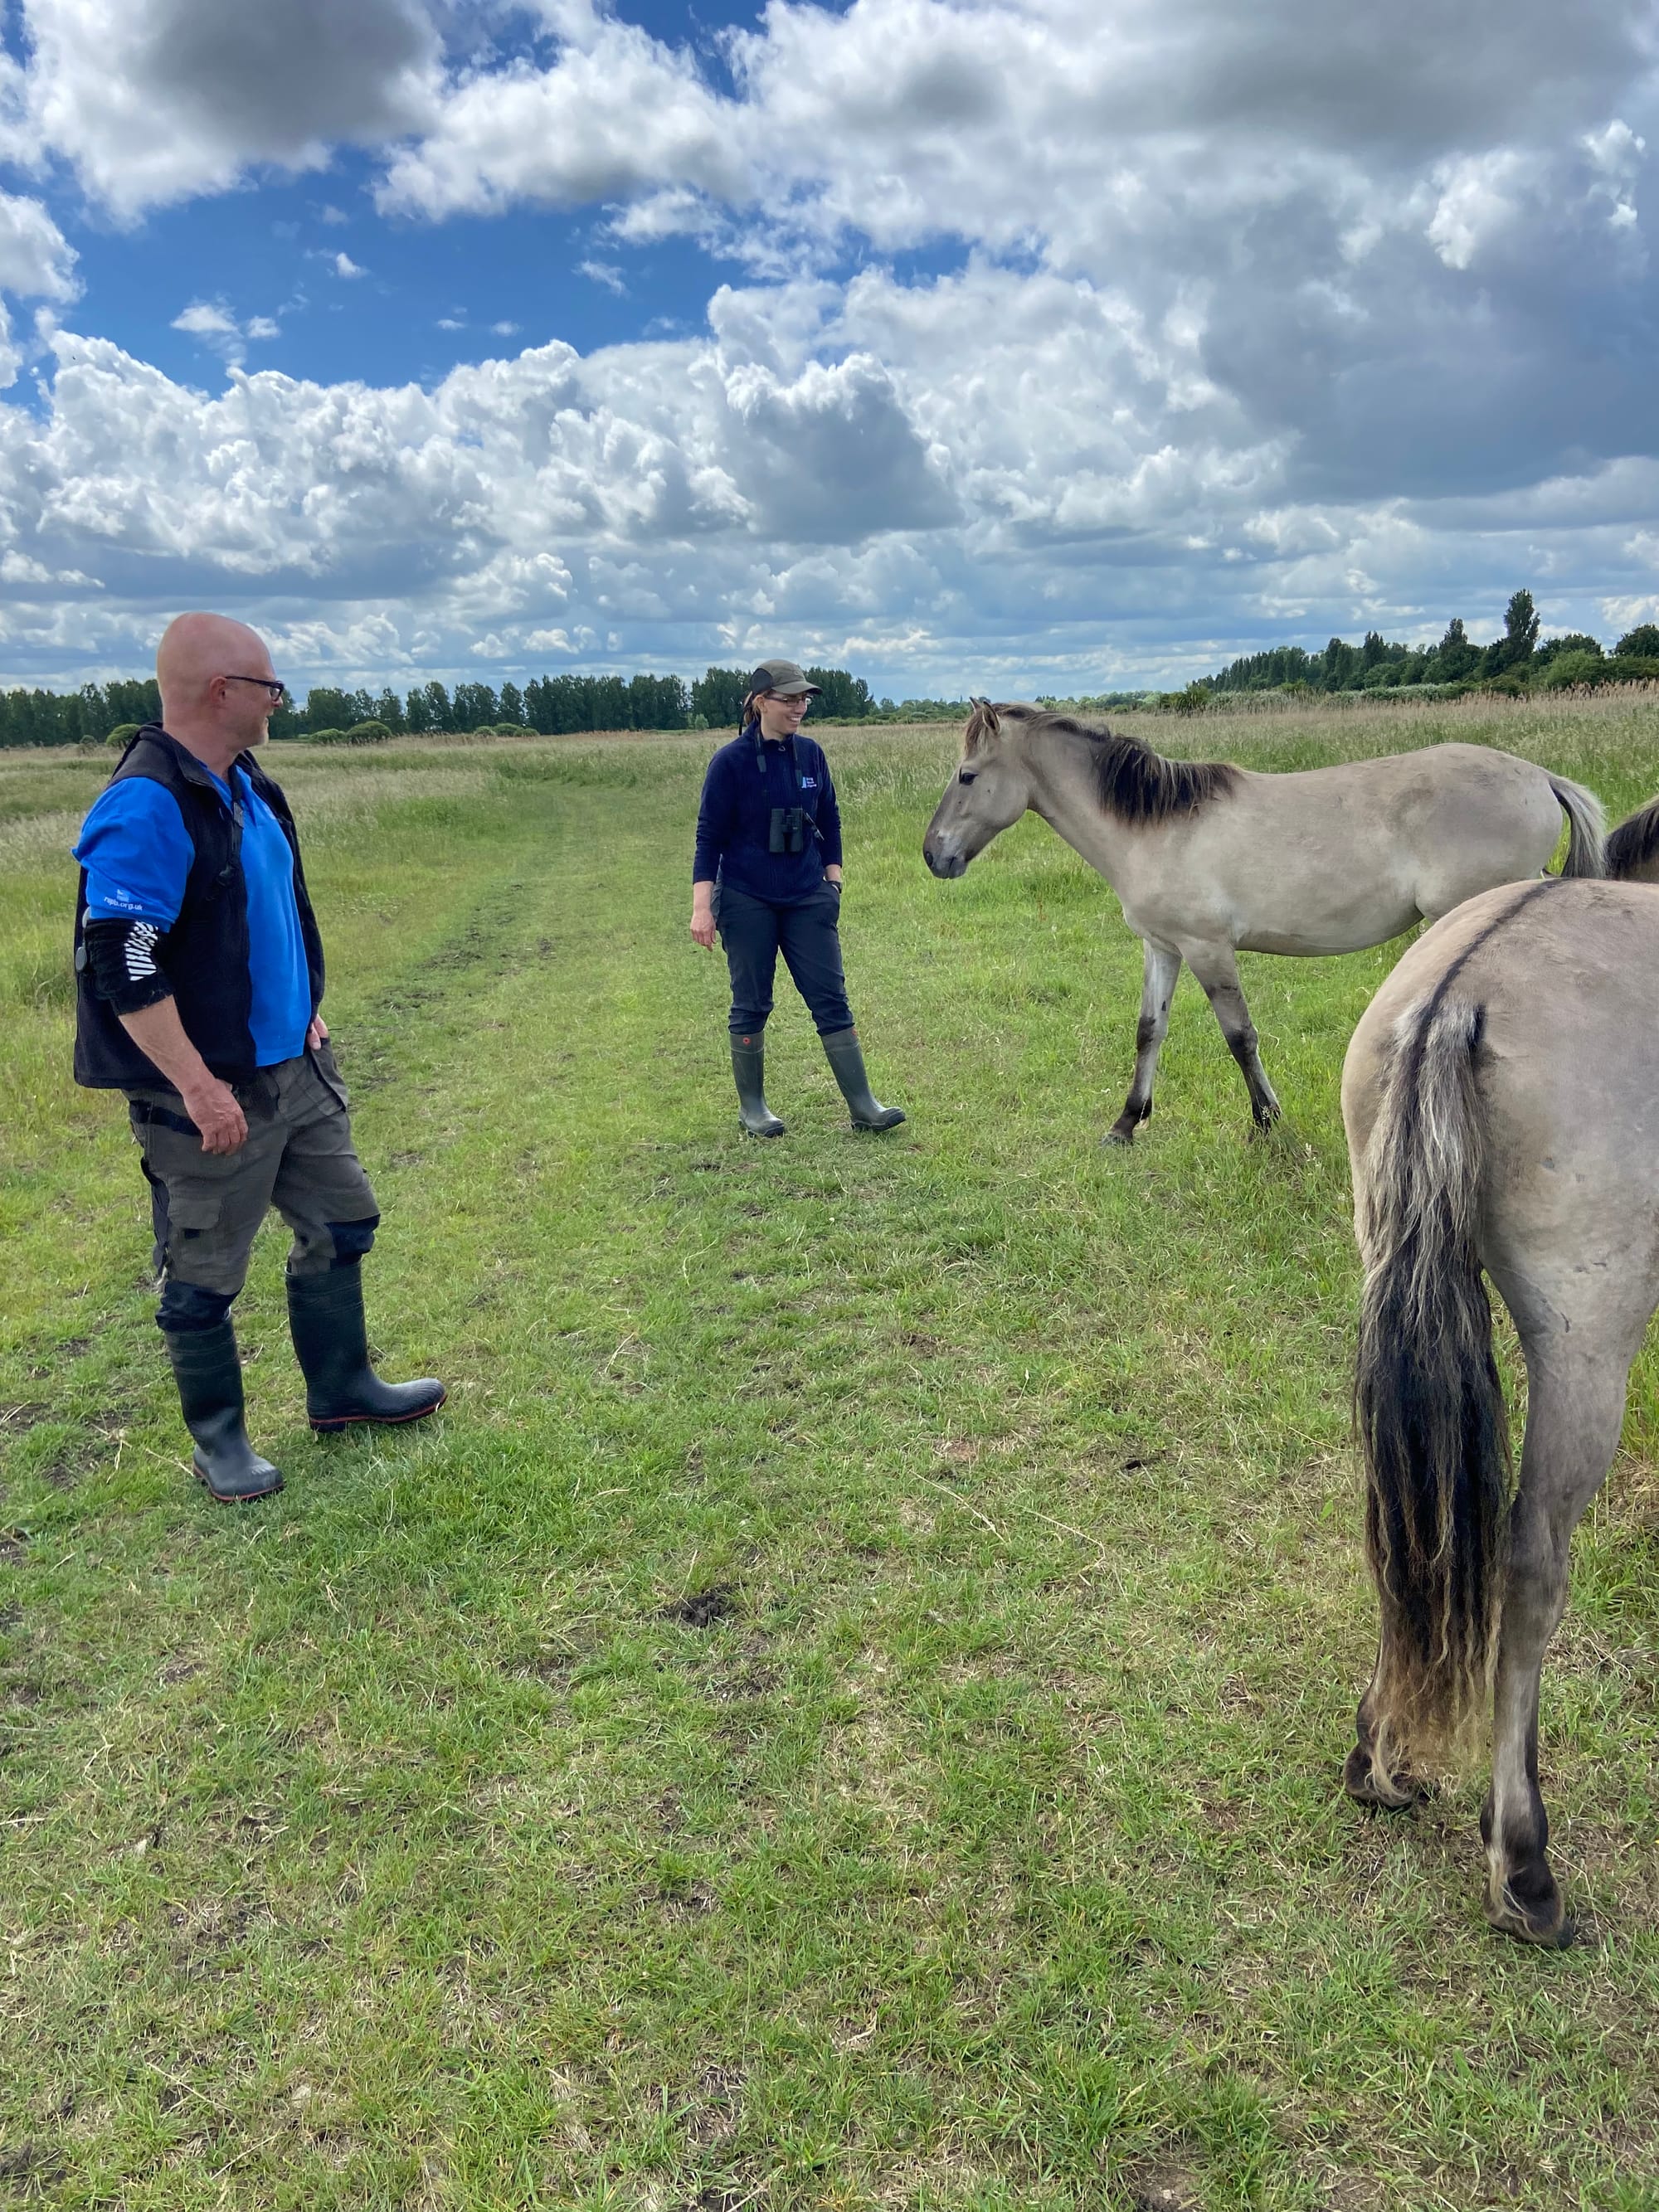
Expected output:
(1631, 847)
(1428, 1403)
(1586, 828)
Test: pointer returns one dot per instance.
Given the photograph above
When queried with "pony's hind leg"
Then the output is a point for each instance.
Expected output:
(1156, 990)
(1574, 1411)
(1217, 970)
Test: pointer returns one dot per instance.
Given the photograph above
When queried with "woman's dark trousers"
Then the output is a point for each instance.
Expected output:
(754, 932)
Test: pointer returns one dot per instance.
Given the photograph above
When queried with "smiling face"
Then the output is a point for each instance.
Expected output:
(989, 789)
(781, 714)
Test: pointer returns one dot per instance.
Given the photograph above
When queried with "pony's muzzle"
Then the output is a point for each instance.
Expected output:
(945, 863)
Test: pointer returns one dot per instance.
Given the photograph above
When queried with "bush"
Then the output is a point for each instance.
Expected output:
(1195, 699)
(122, 735)
(1568, 669)
(1572, 641)
(1641, 643)
(359, 733)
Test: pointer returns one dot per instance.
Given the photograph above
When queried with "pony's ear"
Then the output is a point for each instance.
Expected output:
(982, 723)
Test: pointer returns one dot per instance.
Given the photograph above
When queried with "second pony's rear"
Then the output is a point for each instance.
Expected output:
(1501, 1094)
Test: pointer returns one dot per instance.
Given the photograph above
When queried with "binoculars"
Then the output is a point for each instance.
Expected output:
(787, 831)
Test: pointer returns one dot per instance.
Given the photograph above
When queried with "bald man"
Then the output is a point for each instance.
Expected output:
(199, 974)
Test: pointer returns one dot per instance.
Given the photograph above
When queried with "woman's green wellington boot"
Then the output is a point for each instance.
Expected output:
(749, 1072)
(845, 1061)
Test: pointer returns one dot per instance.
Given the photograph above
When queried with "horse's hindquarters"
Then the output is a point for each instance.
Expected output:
(1501, 1097)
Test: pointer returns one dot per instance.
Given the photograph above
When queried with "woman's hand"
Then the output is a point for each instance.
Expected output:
(702, 914)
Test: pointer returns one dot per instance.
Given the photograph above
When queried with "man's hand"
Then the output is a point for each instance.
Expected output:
(316, 1034)
(702, 914)
(212, 1106)
(158, 1032)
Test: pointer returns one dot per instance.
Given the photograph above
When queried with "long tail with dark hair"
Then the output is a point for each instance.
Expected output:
(1428, 1403)
(1587, 828)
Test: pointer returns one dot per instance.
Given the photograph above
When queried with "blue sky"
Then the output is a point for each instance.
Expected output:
(1012, 345)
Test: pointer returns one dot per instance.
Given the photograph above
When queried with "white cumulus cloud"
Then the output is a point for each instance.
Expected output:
(1239, 320)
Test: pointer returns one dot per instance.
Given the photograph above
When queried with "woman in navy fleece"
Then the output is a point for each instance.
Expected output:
(767, 875)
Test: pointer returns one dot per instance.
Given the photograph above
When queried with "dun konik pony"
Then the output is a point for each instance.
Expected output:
(1208, 860)
(1633, 846)
(1502, 1101)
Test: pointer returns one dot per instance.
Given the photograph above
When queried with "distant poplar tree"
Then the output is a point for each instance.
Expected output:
(1520, 628)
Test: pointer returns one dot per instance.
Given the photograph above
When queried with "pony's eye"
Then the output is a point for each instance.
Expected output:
(966, 775)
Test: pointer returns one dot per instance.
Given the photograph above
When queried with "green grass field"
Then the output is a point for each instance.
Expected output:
(845, 1708)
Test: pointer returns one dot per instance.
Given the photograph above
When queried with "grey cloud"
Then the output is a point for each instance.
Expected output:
(1410, 78)
(835, 456)
(281, 75)
(151, 100)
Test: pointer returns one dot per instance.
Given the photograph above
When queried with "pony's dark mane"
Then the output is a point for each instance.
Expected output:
(1134, 783)
(1635, 841)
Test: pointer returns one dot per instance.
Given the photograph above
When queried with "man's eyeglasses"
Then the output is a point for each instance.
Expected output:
(273, 684)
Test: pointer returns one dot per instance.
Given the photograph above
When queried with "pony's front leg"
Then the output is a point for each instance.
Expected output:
(1217, 970)
(1573, 1418)
(1156, 990)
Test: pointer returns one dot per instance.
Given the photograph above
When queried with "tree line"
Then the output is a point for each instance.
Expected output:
(550, 706)
(1517, 660)
(557, 706)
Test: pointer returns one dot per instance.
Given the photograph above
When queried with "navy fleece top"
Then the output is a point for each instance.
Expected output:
(734, 819)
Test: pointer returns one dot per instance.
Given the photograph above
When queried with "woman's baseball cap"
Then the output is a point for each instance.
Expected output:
(783, 678)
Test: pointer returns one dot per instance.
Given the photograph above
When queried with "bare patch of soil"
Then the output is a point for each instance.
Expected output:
(1158, 2188)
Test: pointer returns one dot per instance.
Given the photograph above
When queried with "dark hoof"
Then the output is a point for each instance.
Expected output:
(1528, 1905)
(1123, 1132)
(1548, 1931)
(1392, 1793)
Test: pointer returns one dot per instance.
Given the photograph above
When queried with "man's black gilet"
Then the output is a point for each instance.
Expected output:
(204, 956)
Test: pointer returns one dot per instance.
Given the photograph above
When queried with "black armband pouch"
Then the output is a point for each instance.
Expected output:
(125, 971)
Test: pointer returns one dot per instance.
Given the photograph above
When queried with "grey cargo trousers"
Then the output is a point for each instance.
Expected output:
(299, 1156)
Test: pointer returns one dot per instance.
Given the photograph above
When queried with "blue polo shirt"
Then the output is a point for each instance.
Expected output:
(136, 854)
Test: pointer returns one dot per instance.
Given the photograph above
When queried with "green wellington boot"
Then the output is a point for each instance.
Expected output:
(208, 1374)
(749, 1072)
(847, 1065)
(331, 1340)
